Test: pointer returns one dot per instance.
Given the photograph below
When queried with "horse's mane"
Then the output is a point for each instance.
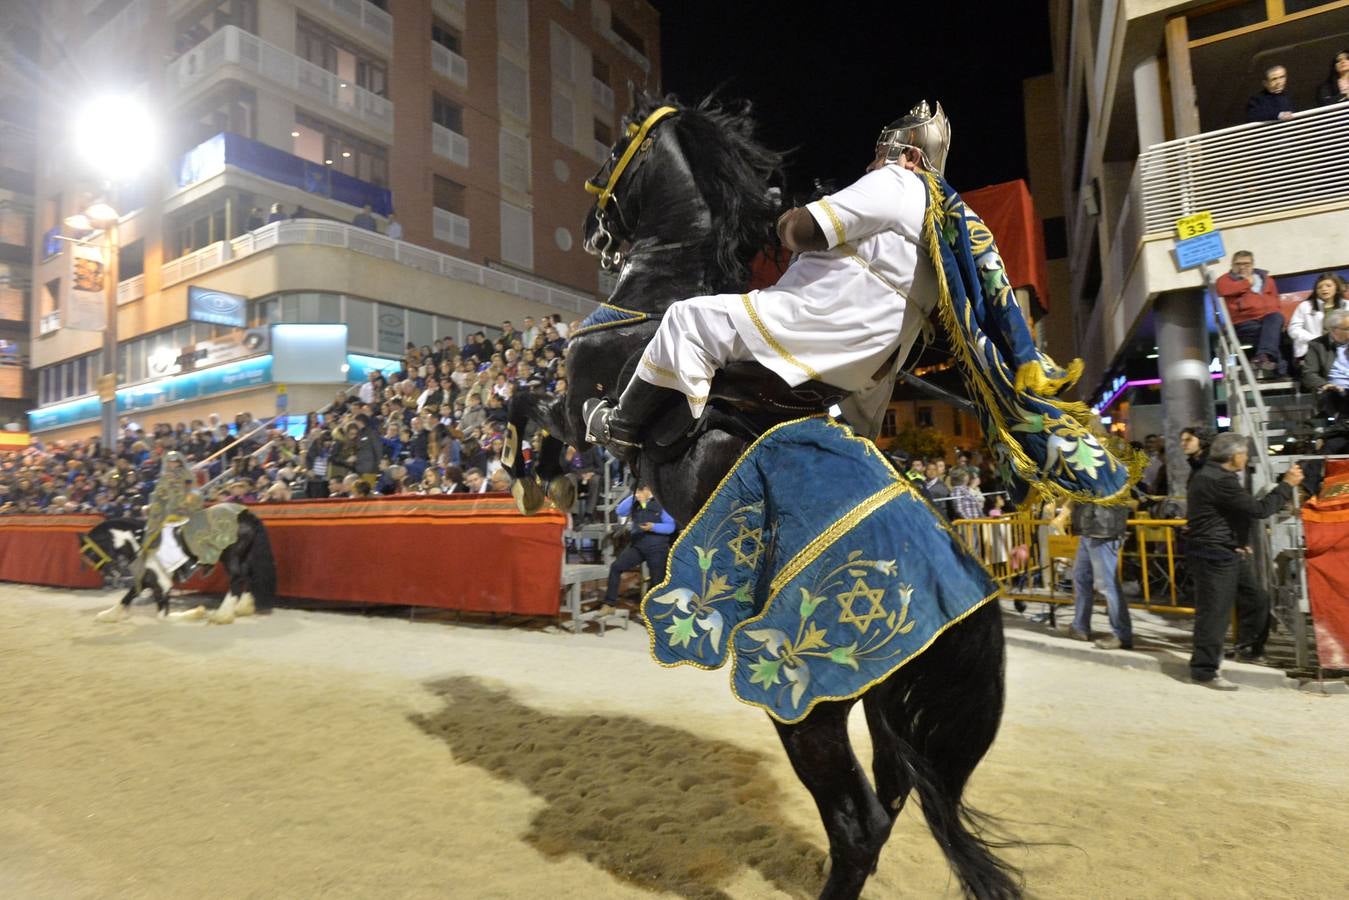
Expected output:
(732, 171)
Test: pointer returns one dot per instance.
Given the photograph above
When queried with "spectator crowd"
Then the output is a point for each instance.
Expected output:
(434, 424)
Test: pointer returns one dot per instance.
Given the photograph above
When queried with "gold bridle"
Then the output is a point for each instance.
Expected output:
(602, 242)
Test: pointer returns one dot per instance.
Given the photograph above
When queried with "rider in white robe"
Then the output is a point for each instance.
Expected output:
(846, 312)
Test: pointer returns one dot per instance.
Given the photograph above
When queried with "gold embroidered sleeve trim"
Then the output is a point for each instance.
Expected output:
(773, 342)
(833, 220)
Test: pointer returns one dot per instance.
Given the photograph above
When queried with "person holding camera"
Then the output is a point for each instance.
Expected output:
(1221, 512)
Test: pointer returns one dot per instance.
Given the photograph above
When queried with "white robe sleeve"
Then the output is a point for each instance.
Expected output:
(871, 204)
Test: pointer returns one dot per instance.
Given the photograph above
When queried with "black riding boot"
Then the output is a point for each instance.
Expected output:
(617, 427)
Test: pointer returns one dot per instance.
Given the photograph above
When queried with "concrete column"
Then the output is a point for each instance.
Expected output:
(1148, 109)
(1183, 357)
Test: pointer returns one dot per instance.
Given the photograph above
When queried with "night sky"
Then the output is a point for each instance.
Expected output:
(825, 77)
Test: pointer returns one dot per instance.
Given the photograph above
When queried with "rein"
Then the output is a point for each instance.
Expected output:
(603, 242)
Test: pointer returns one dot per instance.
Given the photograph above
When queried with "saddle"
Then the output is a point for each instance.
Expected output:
(746, 399)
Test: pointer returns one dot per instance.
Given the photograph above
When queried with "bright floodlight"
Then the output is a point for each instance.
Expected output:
(116, 135)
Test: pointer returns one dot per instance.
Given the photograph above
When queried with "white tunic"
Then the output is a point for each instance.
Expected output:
(835, 315)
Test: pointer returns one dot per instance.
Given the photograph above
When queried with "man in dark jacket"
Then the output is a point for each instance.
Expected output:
(1220, 512)
(1273, 103)
(1100, 535)
(369, 450)
(1325, 373)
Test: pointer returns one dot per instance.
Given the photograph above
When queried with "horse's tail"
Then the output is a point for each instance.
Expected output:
(261, 563)
(941, 713)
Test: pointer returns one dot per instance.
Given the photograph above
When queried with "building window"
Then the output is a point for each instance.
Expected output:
(447, 36)
(564, 119)
(131, 260)
(924, 417)
(447, 114)
(514, 161)
(888, 428)
(513, 24)
(517, 236)
(512, 89)
(958, 424)
(326, 144)
(449, 196)
(231, 108)
(348, 61)
(599, 70)
(603, 133)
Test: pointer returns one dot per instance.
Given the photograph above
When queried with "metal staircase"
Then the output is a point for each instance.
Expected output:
(1273, 414)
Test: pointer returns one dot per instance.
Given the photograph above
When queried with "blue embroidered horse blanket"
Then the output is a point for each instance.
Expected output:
(816, 569)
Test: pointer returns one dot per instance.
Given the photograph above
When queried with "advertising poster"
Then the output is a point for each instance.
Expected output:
(88, 281)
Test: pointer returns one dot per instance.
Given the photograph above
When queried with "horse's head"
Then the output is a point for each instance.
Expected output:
(110, 545)
(685, 175)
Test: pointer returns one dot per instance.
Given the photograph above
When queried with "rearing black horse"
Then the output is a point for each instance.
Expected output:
(686, 193)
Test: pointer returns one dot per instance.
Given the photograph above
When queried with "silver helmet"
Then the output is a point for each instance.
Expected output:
(921, 129)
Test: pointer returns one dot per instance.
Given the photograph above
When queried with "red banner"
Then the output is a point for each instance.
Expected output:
(46, 550)
(471, 552)
(1326, 522)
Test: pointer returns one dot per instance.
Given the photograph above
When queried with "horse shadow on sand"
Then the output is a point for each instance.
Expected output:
(657, 807)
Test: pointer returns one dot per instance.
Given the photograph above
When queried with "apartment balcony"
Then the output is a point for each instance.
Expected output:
(12, 304)
(449, 227)
(450, 64)
(231, 46)
(450, 144)
(602, 94)
(374, 22)
(214, 155)
(1278, 189)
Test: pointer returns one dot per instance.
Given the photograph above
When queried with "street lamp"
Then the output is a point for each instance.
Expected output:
(102, 215)
(116, 137)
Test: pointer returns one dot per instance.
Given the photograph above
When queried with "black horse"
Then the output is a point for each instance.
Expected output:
(688, 208)
(115, 544)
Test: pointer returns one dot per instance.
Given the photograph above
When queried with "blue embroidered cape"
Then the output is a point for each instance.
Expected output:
(816, 568)
(1039, 442)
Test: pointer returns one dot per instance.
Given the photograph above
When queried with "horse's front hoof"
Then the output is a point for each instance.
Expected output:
(528, 495)
(245, 606)
(194, 614)
(115, 614)
(219, 617)
(562, 491)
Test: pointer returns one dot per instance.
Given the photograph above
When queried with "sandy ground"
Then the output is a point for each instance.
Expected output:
(307, 754)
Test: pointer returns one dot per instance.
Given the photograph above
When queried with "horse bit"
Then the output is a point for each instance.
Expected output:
(602, 242)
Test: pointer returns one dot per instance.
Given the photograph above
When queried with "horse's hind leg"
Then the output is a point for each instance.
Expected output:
(235, 567)
(935, 719)
(854, 820)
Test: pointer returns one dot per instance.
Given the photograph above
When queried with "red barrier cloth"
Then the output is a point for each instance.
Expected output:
(46, 550)
(1009, 212)
(1325, 520)
(470, 552)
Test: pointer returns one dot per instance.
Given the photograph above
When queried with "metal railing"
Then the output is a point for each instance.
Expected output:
(366, 15)
(1030, 560)
(450, 144)
(130, 289)
(233, 45)
(450, 64)
(321, 232)
(1247, 170)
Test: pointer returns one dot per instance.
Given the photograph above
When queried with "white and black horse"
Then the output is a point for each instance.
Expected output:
(115, 544)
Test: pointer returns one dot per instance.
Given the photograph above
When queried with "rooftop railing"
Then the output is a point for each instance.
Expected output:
(365, 15)
(1248, 170)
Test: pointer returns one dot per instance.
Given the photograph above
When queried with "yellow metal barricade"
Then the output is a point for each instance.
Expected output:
(1029, 556)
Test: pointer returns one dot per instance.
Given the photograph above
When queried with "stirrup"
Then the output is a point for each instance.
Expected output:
(598, 413)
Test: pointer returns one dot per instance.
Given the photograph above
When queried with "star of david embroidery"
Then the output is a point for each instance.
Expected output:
(861, 590)
(754, 538)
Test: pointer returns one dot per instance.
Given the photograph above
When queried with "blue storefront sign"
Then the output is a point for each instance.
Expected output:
(189, 386)
(216, 307)
(176, 389)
